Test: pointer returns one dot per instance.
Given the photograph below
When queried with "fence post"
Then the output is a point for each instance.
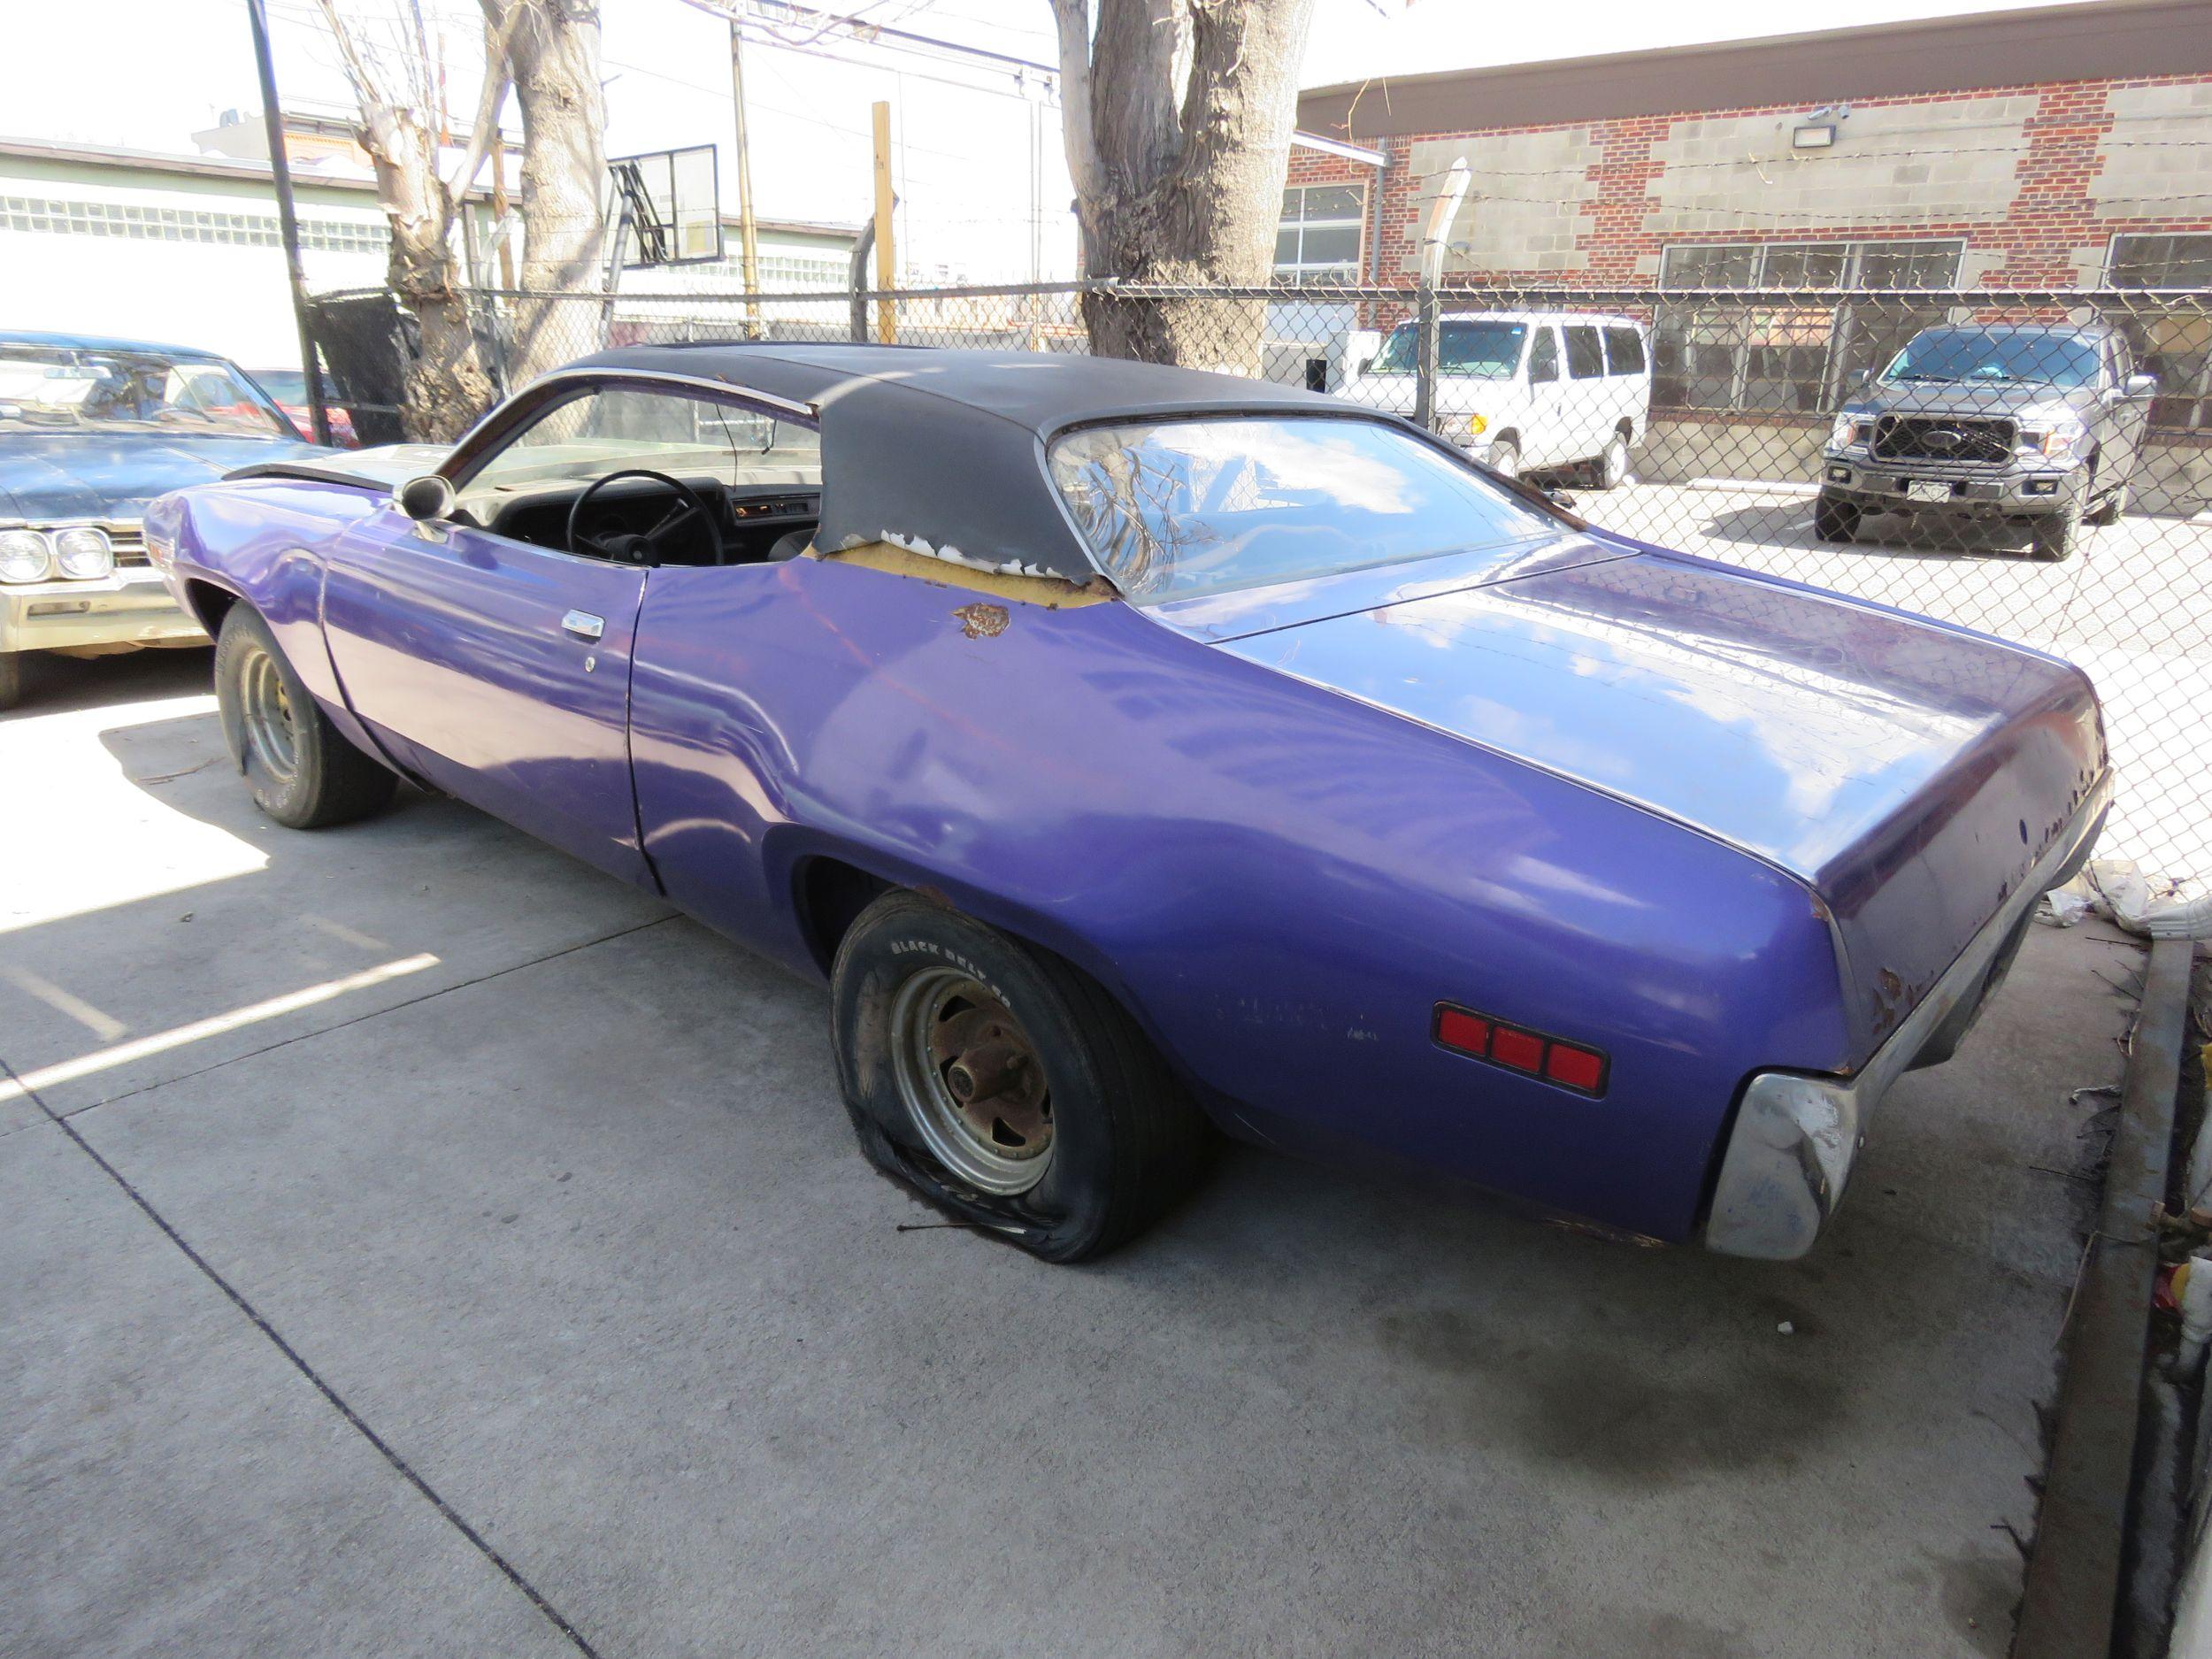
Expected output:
(1424, 311)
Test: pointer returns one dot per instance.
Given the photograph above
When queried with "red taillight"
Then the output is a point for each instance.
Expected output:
(1456, 1028)
(1568, 1065)
(1577, 1068)
(1523, 1050)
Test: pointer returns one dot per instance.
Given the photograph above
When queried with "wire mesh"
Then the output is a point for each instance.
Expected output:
(2034, 465)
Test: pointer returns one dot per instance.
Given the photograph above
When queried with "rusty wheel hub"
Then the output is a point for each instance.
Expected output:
(972, 1081)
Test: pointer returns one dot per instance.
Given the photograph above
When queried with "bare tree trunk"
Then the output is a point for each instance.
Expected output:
(1177, 121)
(447, 386)
(554, 51)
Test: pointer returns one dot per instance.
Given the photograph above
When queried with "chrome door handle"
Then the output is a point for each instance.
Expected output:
(583, 625)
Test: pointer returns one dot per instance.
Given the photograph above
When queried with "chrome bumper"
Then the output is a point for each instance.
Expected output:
(130, 607)
(2021, 485)
(1796, 1135)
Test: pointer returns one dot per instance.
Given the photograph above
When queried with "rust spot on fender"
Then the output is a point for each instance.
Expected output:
(981, 621)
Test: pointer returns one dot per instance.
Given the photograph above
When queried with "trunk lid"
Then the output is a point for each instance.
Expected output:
(1907, 773)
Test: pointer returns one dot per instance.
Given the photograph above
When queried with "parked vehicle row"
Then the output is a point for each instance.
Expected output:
(1139, 753)
(92, 429)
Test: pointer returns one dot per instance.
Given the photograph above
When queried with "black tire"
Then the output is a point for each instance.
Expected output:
(327, 779)
(2056, 535)
(11, 679)
(1834, 519)
(1504, 457)
(1609, 470)
(1126, 1140)
(2112, 509)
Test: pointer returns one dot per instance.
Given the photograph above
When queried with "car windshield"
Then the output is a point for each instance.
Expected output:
(1479, 351)
(1986, 356)
(68, 388)
(1176, 508)
(609, 429)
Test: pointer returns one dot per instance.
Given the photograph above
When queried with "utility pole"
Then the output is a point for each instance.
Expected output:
(287, 221)
(887, 262)
(749, 238)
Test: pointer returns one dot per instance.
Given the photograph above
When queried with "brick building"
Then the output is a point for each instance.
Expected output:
(2068, 147)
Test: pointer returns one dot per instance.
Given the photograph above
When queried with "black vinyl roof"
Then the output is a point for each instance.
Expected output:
(939, 449)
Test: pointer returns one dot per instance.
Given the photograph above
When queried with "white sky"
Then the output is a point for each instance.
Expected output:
(963, 166)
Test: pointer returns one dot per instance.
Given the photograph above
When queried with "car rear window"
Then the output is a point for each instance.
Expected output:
(1584, 361)
(1623, 351)
(1171, 509)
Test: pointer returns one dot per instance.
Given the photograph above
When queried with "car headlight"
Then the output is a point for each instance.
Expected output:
(2061, 436)
(84, 553)
(25, 556)
(1845, 433)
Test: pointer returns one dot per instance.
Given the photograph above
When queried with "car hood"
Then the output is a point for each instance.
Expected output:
(1455, 394)
(1906, 772)
(1979, 398)
(61, 475)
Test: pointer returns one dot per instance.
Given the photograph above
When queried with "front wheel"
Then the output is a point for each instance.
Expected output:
(1504, 458)
(1004, 1086)
(1834, 519)
(2057, 534)
(299, 770)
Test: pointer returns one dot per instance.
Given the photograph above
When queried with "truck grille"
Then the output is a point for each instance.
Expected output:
(1940, 438)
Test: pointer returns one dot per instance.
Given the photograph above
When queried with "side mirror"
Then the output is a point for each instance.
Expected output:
(1559, 499)
(1365, 364)
(2142, 385)
(424, 499)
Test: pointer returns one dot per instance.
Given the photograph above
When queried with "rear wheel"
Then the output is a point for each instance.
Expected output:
(2056, 535)
(1609, 470)
(1003, 1085)
(300, 770)
(11, 679)
(1834, 519)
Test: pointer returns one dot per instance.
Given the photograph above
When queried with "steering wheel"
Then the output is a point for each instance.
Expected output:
(642, 547)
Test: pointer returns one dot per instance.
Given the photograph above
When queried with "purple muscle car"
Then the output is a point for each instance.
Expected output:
(1137, 753)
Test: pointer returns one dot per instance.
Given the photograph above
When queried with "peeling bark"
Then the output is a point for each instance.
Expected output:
(1178, 117)
(554, 52)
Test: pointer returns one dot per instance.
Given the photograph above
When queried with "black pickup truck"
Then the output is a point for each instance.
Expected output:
(2040, 424)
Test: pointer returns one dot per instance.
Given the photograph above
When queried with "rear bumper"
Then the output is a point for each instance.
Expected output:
(1789, 1155)
(2009, 491)
(130, 607)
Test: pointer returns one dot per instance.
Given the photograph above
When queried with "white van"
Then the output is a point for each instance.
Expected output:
(1526, 391)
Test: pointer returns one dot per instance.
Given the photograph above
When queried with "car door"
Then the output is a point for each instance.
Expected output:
(2126, 414)
(1587, 400)
(496, 668)
(1540, 444)
(1628, 373)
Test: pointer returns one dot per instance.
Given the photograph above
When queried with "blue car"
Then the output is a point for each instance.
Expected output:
(91, 429)
(1137, 754)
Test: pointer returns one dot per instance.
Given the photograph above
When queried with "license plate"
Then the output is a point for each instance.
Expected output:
(1916, 490)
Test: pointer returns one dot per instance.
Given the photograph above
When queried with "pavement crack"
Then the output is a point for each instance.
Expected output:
(406, 1471)
(374, 1013)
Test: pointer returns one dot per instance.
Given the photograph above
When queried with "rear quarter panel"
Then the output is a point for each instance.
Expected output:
(1279, 882)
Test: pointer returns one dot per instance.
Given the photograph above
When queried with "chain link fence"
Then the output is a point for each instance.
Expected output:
(2036, 466)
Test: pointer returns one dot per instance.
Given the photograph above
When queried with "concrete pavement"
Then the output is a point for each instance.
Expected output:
(567, 1218)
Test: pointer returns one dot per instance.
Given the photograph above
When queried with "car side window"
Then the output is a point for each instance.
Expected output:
(1623, 351)
(1585, 361)
(1543, 357)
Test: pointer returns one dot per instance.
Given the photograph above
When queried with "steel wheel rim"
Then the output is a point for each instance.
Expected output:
(972, 1081)
(265, 712)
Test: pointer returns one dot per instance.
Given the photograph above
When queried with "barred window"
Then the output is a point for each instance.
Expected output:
(168, 224)
(1798, 357)
(1318, 240)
